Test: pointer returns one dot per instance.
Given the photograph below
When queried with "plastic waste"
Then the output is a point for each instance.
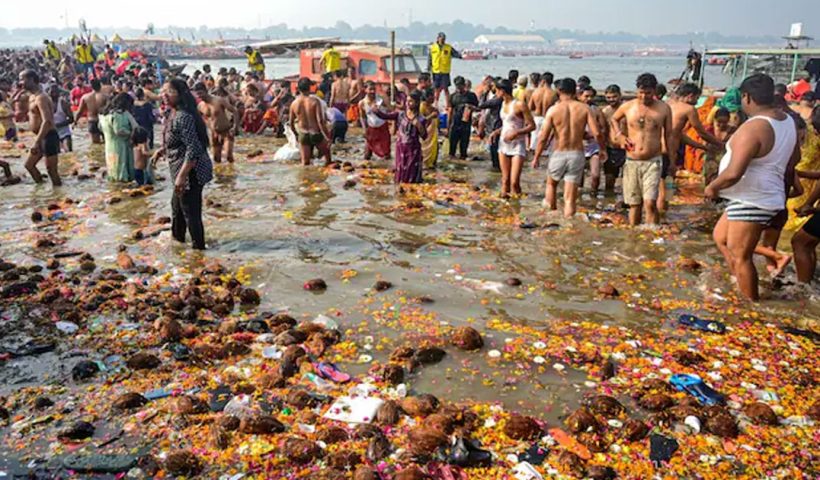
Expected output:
(525, 471)
(354, 409)
(326, 322)
(288, 152)
(219, 397)
(468, 453)
(66, 327)
(692, 321)
(271, 353)
(661, 449)
(534, 455)
(239, 407)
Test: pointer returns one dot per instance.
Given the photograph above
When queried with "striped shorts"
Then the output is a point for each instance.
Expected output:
(738, 211)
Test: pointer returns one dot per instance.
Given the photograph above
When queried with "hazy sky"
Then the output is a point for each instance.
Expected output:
(752, 17)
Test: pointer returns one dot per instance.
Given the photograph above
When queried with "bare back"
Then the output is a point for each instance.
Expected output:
(681, 112)
(569, 119)
(340, 91)
(542, 100)
(306, 111)
(94, 103)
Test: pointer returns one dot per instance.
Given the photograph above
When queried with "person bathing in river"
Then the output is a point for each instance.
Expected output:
(569, 120)
(41, 121)
(410, 131)
(306, 112)
(377, 131)
(516, 125)
(649, 125)
(216, 111)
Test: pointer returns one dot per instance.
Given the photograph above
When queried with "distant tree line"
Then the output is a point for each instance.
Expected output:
(457, 31)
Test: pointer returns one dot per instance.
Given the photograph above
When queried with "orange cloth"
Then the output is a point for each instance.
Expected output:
(693, 158)
(271, 117)
(353, 114)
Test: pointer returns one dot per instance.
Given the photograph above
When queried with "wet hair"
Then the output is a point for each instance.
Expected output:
(535, 78)
(424, 77)
(140, 93)
(304, 85)
(428, 95)
(585, 80)
(722, 112)
(139, 136)
(417, 96)
(590, 89)
(505, 85)
(613, 89)
(567, 85)
(687, 89)
(661, 91)
(760, 87)
(187, 103)
(285, 84)
(513, 76)
(646, 80)
(96, 85)
(459, 81)
(780, 89)
(548, 78)
(122, 102)
(200, 87)
(31, 74)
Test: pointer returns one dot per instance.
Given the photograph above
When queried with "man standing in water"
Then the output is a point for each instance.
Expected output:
(439, 63)
(569, 119)
(541, 100)
(592, 147)
(41, 121)
(340, 92)
(684, 115)
(648, 122)
(307, 112)
(215, 111)
(616, 155)
(758, 158)
(93, 103)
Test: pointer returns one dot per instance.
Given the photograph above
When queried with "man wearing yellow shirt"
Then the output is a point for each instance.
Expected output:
(439, 63)
(84, 57)
(255, 62)
(52, 53)
(331, 59)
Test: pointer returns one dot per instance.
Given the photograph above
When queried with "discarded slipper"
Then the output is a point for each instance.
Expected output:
(695, 386)
(701, 324)
(329, 371)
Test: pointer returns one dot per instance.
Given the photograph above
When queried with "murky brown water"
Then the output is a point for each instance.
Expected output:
(284, 224)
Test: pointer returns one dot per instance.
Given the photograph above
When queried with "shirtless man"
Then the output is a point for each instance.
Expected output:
(312, 129)
(41, 121)
(592, 147)
(215, 111)
(340, 92)
(541, 100)
(569, 120)
(649, 124)
(356, 85)
(93, 103)
(615, 150)
(684, 115)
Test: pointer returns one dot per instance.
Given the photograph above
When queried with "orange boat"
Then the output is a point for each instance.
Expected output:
(372, 63)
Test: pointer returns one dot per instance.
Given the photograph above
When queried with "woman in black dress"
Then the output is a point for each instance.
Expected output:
(185, 145)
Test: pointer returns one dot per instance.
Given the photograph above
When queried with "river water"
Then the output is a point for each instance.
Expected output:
(602, 70)
(451, 240)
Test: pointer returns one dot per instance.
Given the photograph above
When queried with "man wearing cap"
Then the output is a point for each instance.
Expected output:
(255, 61)
(439, 63)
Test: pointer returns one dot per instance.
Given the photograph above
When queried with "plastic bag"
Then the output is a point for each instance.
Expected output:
(288, 152)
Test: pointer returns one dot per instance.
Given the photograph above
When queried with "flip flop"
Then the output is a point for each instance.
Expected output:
(329, 371)
(692, 321)
(695, 386)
